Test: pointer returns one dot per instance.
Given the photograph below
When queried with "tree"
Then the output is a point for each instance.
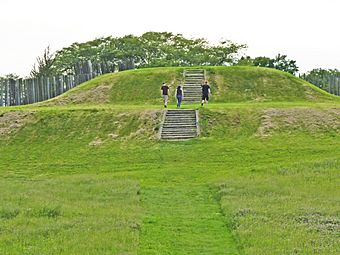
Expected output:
(280, 62)
(44, 65)
(226, 52)
(11, 76)
(152, 49)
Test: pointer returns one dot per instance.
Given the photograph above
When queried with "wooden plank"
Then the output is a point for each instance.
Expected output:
(7, 93)
(33, 91)
(1, 93)
(48, 86)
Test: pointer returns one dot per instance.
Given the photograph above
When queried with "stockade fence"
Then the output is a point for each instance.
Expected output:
(33, 90)
(327, 82)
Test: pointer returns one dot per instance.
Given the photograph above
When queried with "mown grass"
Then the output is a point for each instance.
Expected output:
(228, 84)
(127, 88)
(93, 179)
(286, 210)
(128, 195)
(239, 84)
(73, 214)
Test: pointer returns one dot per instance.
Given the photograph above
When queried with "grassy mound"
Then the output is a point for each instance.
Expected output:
(87, 179)
(229, 84)
(240, 84)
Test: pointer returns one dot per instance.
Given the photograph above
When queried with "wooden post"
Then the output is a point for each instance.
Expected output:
(28, 91)
(20, 96)
(54, 87)
(24, 92)
(72, 81)
(68, 82)
(44, 85)
(34, 97)
(62, 84)
(90, 69)
(7, 93)
(12, 91)
(16, 93)
(331, 82)
(1, 93)
(48, 85)
(38, 89)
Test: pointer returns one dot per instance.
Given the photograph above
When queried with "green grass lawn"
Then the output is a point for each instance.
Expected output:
(228, 84)
(263, 178)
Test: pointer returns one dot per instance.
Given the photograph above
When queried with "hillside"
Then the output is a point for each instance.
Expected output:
(86, 174)
(229, 84)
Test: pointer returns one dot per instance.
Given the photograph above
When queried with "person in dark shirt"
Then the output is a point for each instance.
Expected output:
(179, 95)
(165, 94)
(205, 92)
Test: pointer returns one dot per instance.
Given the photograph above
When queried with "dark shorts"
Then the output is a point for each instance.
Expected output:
(205, 97)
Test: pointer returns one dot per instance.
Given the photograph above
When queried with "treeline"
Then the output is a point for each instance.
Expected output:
(280, 62)
(152, 49)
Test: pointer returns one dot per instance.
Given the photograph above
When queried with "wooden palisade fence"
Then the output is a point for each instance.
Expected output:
(327, 82)
(32, 90)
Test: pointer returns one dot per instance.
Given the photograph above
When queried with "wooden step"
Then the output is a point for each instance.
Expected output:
(179, 125)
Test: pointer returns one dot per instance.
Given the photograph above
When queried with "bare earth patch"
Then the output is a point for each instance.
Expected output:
(311, 120)
(149, 125)
(10, 122)
(99, 94)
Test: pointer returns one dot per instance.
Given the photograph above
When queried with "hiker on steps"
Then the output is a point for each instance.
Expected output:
(179, 95)
(205, 92)
(165, 93)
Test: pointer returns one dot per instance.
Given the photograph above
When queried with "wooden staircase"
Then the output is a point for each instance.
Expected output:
(179, 125)
(193, 79)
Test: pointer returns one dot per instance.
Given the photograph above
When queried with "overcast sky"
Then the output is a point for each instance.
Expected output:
(305, 30)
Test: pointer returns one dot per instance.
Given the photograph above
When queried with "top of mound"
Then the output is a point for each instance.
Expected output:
(228, 84)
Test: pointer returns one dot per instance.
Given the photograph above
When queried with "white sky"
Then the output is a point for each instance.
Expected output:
(305, 30)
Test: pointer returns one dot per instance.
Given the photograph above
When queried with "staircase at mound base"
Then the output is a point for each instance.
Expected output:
(193, 79)
(183, 124)
(179, 125)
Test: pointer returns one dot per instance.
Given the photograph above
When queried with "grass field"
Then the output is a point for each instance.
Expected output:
(88, 176)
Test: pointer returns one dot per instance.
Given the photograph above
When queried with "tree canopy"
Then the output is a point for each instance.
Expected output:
(148, 50)
(280, 62)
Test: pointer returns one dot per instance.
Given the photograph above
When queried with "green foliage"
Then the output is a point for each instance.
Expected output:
(321, 72)
(45, 65)
(287, 65)
(280, 62)
(10, 76)
(152, 49)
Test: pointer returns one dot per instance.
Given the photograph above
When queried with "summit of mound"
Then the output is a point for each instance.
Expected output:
(228, 84)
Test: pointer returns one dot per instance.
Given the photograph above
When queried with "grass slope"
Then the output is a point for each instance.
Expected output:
(229, 84)
(87, 179)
